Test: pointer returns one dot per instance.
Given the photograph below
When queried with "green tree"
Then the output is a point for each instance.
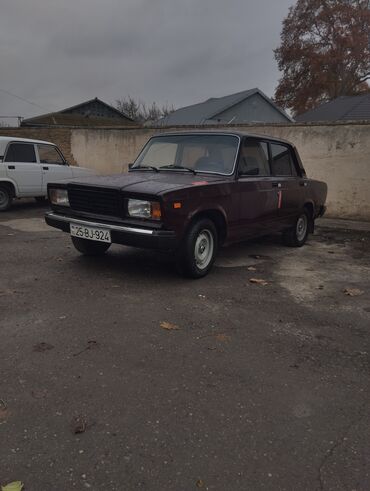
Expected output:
(324, 53)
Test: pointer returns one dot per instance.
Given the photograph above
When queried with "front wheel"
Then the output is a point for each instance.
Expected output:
(5, 198)
(90, 247)
(199, 249)
(297, 235)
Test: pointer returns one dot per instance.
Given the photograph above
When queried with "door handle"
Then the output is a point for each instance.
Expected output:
(276, 184)
(11, 167)
(45, 168)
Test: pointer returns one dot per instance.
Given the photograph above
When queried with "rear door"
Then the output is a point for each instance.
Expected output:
(258, 198)
(22, 167)
(53, 166)
(290, 184)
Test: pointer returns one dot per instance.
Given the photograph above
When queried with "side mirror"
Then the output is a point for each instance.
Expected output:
(130, 166)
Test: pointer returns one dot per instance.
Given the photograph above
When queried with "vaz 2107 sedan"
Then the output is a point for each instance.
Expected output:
(190, 193)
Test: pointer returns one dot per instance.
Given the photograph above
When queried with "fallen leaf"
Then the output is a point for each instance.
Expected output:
(258, 281)
(13, 486)
(41, 347)
(4, 414)
(224, 338)
(169, 326)
(78, 425)
(353, 292)
(199, 483)
(252, 268)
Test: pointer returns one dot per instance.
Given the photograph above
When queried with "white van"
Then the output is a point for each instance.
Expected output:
(26, 167)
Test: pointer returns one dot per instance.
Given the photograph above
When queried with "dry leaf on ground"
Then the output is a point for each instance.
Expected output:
(13, 486)
(224, 338)
(252, 268)
(353, 292)
(78, 425)
(40, 347)
(199, 483)
(169, 326)
(258, 281)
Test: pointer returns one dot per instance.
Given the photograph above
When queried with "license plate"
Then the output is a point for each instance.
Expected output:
(90, 233)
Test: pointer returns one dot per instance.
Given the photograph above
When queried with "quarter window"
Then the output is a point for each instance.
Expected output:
(254, 160)
(282, 161)
(49, 155)
(21, 152)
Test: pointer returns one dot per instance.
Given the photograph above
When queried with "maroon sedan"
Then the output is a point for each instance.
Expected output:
(190, 193)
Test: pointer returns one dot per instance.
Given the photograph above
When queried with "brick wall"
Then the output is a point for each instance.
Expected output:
(60, 136)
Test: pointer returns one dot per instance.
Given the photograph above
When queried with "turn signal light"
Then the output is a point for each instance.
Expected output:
(156, 210)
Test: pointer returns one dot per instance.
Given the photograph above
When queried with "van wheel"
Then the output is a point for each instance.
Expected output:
(198, 253)
(297, 235)
(90, 247)
(5, 198)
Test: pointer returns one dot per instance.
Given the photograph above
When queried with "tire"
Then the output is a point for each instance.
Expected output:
(90, 247)
(6, 198)
(199, 249)
(297, 235)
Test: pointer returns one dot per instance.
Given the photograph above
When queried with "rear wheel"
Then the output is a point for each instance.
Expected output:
(90, 247)
(5, 198)
(199, 250)
(297, 235)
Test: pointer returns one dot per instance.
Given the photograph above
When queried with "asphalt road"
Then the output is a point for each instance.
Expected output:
(255, 387)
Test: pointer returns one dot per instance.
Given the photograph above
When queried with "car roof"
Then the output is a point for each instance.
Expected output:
(7, 139)
(4, 140)
(240, 134)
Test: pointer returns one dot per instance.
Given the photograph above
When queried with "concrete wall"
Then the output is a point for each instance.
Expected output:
(338, 154)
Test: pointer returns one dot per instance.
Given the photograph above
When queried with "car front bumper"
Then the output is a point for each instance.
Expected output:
(120, 234)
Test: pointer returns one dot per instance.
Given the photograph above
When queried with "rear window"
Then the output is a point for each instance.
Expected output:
(21, 152)
(282, 161)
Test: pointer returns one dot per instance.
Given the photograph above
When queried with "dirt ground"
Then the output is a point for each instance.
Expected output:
(117, 374)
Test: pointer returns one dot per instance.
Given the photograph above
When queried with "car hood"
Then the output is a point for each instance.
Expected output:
(148, 182)
(81, 171)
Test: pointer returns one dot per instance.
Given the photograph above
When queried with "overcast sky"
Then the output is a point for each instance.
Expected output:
(57, 53)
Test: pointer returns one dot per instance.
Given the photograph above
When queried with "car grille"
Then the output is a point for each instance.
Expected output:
(95, 200)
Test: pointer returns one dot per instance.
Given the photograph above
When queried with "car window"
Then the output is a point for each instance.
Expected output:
(254, 159)
(49, 155)
(160, 153)
(281, 160)
(203, 153)
(21, 152)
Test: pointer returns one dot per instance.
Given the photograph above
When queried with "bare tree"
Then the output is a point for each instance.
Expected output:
(141, 112)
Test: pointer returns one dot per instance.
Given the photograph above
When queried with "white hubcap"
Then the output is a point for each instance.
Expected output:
(203, 250)
(301, 227)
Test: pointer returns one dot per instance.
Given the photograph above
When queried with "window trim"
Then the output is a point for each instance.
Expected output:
(292, 159)
(53, 146)
(259, 140)
(20, 143)
(195, 133)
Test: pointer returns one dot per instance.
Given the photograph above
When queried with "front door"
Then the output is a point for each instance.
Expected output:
(53, 166)
(258, 196)
(22, 167)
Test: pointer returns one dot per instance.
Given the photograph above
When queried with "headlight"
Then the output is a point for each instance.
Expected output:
(138, 208)
(59, 197)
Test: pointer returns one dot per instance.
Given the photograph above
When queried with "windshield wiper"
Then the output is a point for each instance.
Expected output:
(181, 167)
(146, 167)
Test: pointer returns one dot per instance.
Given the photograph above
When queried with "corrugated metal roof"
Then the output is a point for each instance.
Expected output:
(206, 112)
(344, 108)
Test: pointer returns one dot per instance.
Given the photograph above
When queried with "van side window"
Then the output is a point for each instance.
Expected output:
(254, 159)
(21, 152)
(282, 161)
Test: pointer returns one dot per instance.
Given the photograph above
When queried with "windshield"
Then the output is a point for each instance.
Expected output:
(194, 153)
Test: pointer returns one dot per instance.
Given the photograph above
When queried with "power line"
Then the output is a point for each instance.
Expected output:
(23, 99)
